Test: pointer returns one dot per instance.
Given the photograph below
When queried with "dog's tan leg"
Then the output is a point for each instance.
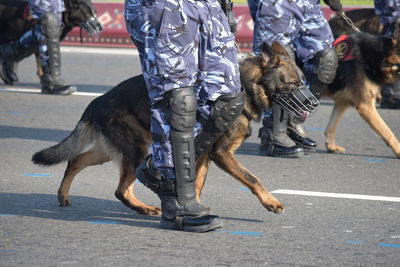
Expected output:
(39, 70)
(225, 159)
(124, 191)
(368, 112)
(202, 165)
(330, 132)
(91, 157)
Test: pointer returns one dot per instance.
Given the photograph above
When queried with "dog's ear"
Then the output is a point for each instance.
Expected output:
(268, 53)
(279, 49)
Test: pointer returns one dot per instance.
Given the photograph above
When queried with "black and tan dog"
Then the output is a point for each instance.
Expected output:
(116, 126)
(368, 62)
(365, 20)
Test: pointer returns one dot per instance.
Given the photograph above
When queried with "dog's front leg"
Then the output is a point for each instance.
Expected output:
(223, 156)
(368, 112)
(330, 132)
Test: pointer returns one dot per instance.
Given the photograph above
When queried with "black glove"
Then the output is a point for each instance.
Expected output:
(335, 5)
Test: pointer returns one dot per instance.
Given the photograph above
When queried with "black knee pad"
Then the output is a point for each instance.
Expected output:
(226, 109)
(326, 63)
(181, 108)
(223, 113)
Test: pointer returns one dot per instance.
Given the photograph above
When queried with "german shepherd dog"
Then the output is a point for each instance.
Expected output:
(365, 20)
(374, 61)
(116, 126)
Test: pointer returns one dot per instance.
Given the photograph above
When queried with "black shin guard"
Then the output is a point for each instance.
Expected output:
(51, 81)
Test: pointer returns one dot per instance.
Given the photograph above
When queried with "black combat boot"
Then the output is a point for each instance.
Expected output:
(52, 84)
(391, 96)
(298, 134)
(274, 139)
(8, 55)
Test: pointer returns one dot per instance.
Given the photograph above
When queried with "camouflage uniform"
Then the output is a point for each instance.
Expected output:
(182, 43)
(389, 10)
(44, 37)
(35, 35)
(299, 23)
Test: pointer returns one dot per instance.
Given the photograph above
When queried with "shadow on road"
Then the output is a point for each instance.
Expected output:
(7, 131)
(84, 209)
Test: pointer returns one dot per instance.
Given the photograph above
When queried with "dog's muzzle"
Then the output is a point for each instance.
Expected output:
(92, 26)
(300, 103)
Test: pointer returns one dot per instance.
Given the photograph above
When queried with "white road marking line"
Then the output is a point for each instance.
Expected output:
(335, 195)
(37, 91)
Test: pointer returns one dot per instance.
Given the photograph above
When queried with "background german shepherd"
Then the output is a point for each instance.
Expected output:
(365, 20)
(358, 83)
(116, 126)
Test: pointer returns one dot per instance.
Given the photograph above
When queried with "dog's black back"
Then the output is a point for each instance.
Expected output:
(371, 54)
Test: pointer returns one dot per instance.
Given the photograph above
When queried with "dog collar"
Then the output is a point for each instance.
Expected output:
(344, 47)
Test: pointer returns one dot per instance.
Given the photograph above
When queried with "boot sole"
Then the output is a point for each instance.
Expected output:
(171, 225)
(291, 155)
(269, 151)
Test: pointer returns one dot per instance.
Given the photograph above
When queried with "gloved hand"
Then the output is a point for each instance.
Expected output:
(335, 5)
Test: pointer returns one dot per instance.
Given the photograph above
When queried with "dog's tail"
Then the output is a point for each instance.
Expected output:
(67, 149)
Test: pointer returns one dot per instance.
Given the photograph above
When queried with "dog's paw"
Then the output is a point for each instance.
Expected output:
(154, 211)
(276, 208)
(335, 149)
(64, 201)
(149, 210)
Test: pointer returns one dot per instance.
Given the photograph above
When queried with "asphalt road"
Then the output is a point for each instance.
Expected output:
(342, 210)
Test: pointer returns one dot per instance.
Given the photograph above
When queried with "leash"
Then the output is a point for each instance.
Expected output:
(348, 21)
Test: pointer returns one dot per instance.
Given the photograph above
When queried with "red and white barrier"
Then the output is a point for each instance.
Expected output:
(114, 33)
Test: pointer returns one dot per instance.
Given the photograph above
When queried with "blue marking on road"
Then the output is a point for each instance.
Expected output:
(240, 233)
(14, 112)
(355, 242)
(103, 222)
(36, 174)
(389, 245)
(244, 189)
(5, 214)
(8, 250)
(373, 160)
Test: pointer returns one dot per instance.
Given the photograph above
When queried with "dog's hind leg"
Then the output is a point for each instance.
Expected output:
(224, 157)
(124, 191)
(368, 112)
(92, 157)
(330, 132)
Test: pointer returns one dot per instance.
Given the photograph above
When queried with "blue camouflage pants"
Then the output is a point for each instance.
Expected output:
(182, 43)
(299, 23)
(35, 35)
(389, 10)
